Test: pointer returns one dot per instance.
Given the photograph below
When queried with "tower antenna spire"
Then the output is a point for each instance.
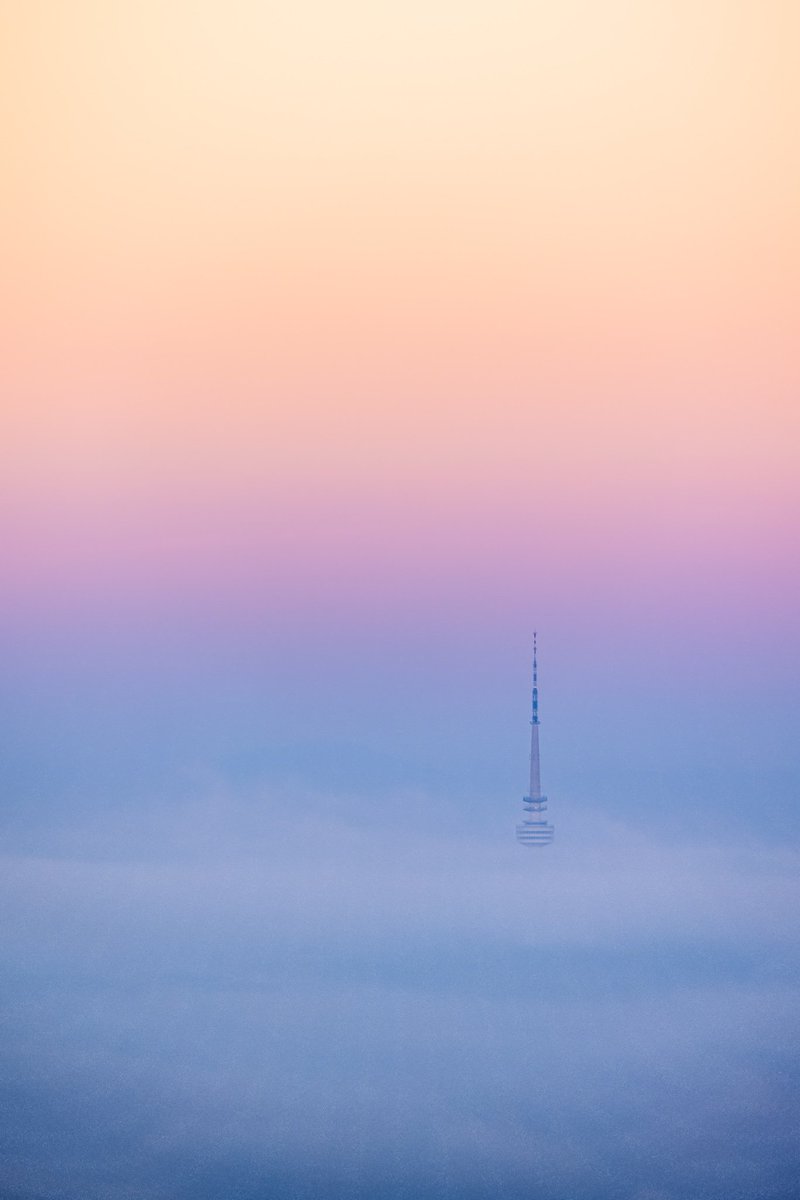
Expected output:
(535, 830)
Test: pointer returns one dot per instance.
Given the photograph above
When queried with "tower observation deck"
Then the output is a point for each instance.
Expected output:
(534, 829)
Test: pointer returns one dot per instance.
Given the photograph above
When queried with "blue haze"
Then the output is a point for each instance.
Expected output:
(267, 932)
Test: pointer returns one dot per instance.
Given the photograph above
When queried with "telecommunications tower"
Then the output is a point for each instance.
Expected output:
(534, 829)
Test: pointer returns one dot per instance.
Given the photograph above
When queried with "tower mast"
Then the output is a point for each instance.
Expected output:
(534, 830)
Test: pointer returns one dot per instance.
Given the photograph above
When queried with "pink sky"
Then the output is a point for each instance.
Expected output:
(385, 300)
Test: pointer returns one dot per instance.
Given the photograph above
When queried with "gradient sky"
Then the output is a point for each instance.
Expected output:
(344, 344)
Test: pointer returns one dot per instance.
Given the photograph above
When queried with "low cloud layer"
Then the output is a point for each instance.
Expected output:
(291, 994)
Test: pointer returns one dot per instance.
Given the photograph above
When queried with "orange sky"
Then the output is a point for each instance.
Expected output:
(255, 252)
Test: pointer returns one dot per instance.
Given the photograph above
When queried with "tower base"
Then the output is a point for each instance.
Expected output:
(535, 833)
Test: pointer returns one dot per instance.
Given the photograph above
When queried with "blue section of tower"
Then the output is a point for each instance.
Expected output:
(535, 693)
